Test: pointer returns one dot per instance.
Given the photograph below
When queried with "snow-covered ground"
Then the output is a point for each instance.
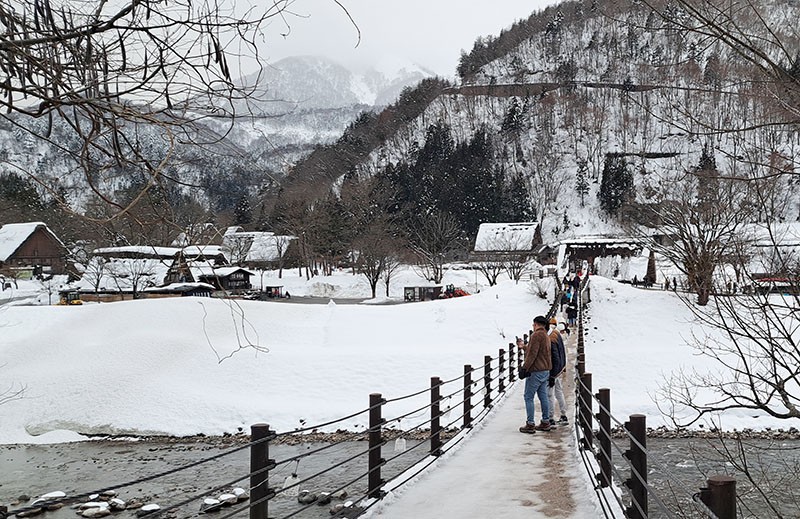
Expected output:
(183, 366)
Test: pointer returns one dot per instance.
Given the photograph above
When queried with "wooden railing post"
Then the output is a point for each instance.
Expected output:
(259, 470)
(375, 442)
(585, 394)
(436, 429)
(604, 436)
(487, 381)
(501, 370)
(467, 396)
(512, 366)
(637, 456)
(719, 495)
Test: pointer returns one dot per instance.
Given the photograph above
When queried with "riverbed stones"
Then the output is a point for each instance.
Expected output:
(30, 513)
(229, 499)
(306, 497)
(147, 509)
(210, 505)
(92, 504)
(100, 511)
(53, 495)
(241, 494)
(116, 504)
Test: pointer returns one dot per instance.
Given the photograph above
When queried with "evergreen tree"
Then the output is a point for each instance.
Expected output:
(707, 175)
(516, 201)
(616, 184)
(242, 212)
(512, 120)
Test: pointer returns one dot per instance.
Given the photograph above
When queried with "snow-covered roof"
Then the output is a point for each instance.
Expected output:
(602, 240)
(145, 251)
(769, 235)
(12, 235)
(122, 274)
(192, 251)
(505, 236)
(255, 246)
(192, 232)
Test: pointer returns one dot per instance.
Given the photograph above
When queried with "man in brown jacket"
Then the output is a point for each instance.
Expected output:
(538, 363)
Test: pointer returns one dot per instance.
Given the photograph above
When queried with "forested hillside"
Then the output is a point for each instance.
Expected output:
(582, 117)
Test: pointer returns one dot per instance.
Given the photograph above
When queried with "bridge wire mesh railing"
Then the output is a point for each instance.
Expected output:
(591, 453)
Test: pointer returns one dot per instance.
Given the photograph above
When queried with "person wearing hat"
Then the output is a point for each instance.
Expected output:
(555, 391)
(538, 362)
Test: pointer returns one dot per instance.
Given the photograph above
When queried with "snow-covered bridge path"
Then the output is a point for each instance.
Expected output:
(499, 472)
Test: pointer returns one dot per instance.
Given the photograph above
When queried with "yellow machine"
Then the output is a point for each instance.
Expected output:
(70, 298)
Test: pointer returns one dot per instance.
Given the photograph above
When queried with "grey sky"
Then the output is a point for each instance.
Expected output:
(431, 33)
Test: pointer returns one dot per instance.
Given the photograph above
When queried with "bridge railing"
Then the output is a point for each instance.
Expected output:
(598, 451)
(440, 417)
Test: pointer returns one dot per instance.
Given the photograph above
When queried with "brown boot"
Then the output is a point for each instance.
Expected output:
(544, 426)
(528, 428)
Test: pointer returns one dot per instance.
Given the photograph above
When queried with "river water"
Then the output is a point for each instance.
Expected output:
(77, 468)
(677, 469)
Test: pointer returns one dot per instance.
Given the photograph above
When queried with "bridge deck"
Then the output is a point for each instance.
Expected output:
(499, 472)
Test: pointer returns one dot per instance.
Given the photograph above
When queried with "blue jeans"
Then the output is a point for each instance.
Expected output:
(536, 384)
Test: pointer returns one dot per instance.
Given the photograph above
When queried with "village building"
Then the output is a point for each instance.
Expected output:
(122, 273)
(205, 233)
(507, 241)
(180, 290)
(31, 247)
(235, 280)
(255, 250)
(605, 255)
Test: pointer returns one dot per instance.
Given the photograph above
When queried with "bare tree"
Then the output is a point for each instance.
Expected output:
(237, 245)
(506, 251)
(433, 240)
(100, 70)
(694, 231)
(758, 357)
(491, 270)
(133, 274)
(376, 253)
(94, 271)
(393, 266)
(281, 246)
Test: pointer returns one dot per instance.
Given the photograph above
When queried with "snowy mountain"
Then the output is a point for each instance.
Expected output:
(313, 82)
(548, 103)
(575, 86)
(307, 102)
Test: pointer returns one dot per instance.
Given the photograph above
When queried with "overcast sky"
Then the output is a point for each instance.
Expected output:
(431, 33)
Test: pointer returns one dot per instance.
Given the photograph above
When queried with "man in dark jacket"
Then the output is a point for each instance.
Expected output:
(538, 362)
(555, 392)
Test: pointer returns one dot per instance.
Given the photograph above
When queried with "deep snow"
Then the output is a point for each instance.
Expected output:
(185, 365)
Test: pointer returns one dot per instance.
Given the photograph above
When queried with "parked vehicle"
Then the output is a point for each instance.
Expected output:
(69, 298)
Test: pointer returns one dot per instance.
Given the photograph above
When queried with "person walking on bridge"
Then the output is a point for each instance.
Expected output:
(555, 392)
(538, 364)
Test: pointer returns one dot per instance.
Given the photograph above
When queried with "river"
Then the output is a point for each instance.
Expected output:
(677, 468)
